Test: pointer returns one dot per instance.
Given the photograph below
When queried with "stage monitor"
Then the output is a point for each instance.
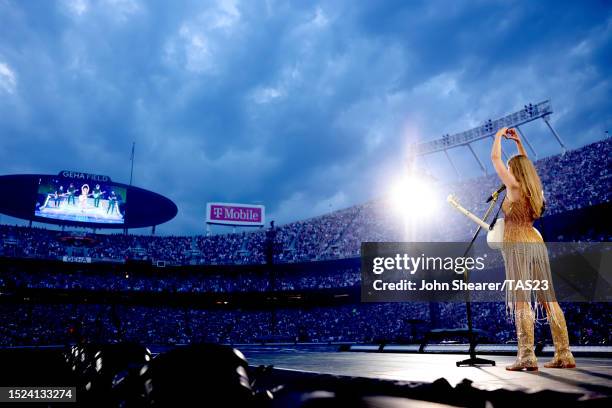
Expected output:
(87, 201)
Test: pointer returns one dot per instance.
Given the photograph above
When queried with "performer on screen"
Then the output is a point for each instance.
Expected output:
(526, 258)
(96, 195)
(83, 197)
(71, 194)
(57, 196)
(112, 202)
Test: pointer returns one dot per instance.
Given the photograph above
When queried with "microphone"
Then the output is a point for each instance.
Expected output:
(496, 193)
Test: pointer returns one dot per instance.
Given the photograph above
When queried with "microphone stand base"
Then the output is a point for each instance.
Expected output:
(475, 361)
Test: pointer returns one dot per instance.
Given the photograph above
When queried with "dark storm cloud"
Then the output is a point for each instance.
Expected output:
(304, 107)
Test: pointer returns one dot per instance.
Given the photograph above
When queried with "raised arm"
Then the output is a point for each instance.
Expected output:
(500, 168)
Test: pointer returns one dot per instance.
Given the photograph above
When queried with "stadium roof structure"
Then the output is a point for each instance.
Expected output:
(529, 113)
(142, 208)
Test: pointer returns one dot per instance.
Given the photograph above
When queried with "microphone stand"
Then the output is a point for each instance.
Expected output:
(474, 360)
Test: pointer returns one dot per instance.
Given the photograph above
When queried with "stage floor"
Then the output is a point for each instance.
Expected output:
(592, 377)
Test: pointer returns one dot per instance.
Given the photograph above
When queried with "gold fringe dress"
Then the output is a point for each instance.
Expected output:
(525, 258)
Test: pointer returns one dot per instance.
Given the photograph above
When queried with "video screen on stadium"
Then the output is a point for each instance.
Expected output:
(80, 201)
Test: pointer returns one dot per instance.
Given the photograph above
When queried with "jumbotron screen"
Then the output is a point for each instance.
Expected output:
(87, 201)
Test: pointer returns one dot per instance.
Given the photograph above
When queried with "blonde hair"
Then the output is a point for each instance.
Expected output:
(530, 184)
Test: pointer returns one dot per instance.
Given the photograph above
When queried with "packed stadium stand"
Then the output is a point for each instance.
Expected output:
(575, 180)
(215, 288)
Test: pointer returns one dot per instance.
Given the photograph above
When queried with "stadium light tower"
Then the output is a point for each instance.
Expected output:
(529, 113)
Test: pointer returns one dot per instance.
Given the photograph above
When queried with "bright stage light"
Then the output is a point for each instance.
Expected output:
(413, 198)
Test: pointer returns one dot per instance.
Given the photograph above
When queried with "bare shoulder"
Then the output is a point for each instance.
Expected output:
(513, 193)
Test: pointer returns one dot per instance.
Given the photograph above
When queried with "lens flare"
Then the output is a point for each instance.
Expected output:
(413, 198)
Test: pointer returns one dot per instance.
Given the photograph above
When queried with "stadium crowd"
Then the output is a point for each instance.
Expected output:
(207, 279)
(576, 179)
(46, 324)
(197, 282)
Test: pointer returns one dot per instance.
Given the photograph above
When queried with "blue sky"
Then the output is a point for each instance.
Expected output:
(305, 106)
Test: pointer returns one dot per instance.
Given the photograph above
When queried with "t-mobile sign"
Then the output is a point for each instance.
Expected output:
(235, 214)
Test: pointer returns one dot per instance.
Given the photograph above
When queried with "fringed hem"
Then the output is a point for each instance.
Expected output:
(528, 270)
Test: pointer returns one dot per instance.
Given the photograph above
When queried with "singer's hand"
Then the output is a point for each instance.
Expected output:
(501, 132)
(512, 134)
